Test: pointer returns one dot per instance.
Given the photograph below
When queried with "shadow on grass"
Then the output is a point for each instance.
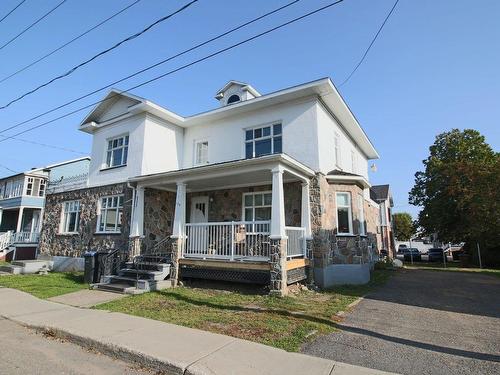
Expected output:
(75, 277)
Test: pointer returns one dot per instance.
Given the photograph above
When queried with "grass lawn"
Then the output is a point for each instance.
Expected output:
(452, 267)
(281, 322)
(45, 286)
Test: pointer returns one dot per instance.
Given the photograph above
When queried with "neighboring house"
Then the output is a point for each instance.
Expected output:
(263, 189)
(22, 200)
(382, 195)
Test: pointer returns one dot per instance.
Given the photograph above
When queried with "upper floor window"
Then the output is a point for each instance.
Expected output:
(110, 214)
(35, 187)
(71, 217)
(233, 99)
(14, 188)
(117, 151)
(344, 213)
(201, 152)
(263, 141)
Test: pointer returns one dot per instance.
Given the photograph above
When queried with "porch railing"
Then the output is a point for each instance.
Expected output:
(25, 237)
(5, 240)
(236, 240)
(296, 243)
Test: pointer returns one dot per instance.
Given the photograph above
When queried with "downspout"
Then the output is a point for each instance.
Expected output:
(132, 213)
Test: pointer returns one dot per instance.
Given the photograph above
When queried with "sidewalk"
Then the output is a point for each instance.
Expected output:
(166, 347)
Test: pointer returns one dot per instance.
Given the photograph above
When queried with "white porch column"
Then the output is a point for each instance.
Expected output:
(180, 211)
(305, 219)
(1, 214)
(137, 225)
(278, 205)
(20, 220)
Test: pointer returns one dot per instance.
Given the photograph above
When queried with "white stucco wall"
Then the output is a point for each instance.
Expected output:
(226, 137)
(134, 127)
(327, 129)
(163, 146)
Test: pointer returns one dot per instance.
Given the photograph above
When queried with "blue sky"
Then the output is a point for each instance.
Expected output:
(434, 67)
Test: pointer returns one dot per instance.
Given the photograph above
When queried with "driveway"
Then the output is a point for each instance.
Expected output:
(422, 322)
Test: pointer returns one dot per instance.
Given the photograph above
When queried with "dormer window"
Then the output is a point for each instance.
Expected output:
(233, 99)
(117, 152)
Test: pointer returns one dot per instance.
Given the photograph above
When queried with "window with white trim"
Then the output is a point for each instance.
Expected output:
(344, 213)
(337, 150)
(257, 206)
(110, 214)
(29, 185)
(117, 152)
(361, 215)
(41, 189)
(201, 152)
(71, 217)
(264, 140)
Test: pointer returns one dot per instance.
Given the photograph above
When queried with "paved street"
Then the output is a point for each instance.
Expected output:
(25, 352)
(422, 322)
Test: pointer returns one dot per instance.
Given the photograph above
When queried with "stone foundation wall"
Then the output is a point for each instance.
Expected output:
(73, 245)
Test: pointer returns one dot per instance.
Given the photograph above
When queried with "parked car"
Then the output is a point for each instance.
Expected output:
(401, 248)
(436, 254)
(412, 253)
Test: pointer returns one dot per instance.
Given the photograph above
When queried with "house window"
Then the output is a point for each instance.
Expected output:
(201, 153)
(257, 206)
(263, 141)
(337, 150)
(361, 215)
(41, 190)
(29, 186)
(117, 152)
(110, 214)
(71, 217)
(344, 213)
(233, 99)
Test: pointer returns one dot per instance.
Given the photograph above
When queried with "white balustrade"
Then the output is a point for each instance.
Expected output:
(236, 240)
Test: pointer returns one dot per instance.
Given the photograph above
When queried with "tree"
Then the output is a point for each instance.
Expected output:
(458, 190)
(403, 226)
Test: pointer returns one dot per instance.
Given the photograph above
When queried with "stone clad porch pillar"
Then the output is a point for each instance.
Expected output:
(178, 231)
(137, 224)
(278, 283)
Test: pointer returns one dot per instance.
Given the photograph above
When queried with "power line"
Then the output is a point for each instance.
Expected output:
(199, 45)
(371, 43)
(33, 24)
(180, 68)
(129, 38)
(69, 42)
(11, 11)
(11, 170)
(46, 145)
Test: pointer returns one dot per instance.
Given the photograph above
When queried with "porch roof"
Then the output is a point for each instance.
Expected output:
(236, 173)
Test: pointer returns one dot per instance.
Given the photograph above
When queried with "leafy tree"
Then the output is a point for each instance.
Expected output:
(403, 226)
(459, 189)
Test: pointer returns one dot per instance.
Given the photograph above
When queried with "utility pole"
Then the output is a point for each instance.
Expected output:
(479, 255)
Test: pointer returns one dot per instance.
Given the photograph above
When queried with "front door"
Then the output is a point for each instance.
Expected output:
(197, 240)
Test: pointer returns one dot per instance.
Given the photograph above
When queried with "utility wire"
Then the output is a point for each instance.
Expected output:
(9, 13)
(180, 68)
(47, 145)
(69, 42)
(33, 24)
(129, 38)
(11, 170)
(199, 45)
(371, 43)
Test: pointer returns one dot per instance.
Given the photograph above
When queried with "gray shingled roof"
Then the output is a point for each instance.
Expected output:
(379, 192)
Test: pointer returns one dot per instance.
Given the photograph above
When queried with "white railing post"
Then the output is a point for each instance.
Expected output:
(232, 240)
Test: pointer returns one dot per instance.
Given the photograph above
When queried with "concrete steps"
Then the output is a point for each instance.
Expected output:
(25, 267)
(149, 274)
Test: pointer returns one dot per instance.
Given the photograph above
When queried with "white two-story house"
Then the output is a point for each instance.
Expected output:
(261, 189)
